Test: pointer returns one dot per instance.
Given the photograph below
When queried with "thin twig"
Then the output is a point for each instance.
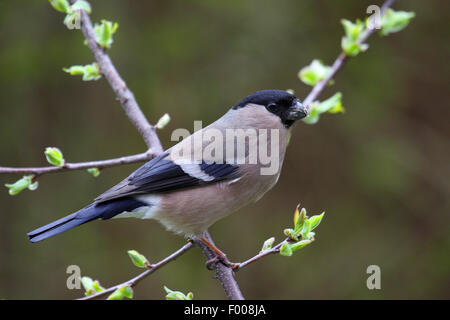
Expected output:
(133, 282)
(124, 95)
(81, 165)
(339, 62)
(224, 274)
(262, 254)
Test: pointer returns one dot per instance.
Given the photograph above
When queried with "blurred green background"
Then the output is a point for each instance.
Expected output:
(381, 171)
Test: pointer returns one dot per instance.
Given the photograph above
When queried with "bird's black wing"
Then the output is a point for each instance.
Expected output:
(162, 175)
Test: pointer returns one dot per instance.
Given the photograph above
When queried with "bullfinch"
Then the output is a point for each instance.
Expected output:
(206, 176)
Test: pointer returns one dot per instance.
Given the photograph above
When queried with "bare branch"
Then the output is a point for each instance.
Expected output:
(338, 63)
(260, 255)
(82, 165)
(224, 274)
(153, 267)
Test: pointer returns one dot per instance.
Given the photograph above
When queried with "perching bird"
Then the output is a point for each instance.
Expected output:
(202, 179)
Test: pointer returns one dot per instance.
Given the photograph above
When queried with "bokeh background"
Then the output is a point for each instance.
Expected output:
(381, 171)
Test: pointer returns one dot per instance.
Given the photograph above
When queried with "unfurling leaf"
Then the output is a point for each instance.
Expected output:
(26, 182)
(353, 31)
(299, 218)
(331, 105)
(351, 42)
(94, 171)
(315, 220)
(291, 233)
(54, 156)
(90, 286)
(89, 71)
(306, 228)
(286, 249)
(314, 73)
(121, 293)
(300, 244)
(395, 21)
(177, 295)
(138, 259)
(104, 33)
(81, 5)
(268, 244)
(163, 121)
(60, 5)
(97, 286)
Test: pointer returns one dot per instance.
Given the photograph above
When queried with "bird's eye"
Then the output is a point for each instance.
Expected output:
(272, 107)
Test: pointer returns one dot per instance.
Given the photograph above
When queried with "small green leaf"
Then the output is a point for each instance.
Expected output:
(331, 105)
(314, 72)
(22, 184)
(91, 287)
(104, 33)
(138, 259)
(315, 220)
(291, 234)
(268, 244)
(88, 285)
(163, 121)
(296, 215)
(395, 21)
(60, 5)
(177, 295)
(97, 287)
(81, 5)
(89, 71)
(306, 228)
(121, 293)
(353, 33)
(94, 171)
(286, 249)
(54, 156)
(352, 48)
(299, 219)
(300, 244)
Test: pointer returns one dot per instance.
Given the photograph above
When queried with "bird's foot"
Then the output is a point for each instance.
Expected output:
(222, 259)
(220, 256)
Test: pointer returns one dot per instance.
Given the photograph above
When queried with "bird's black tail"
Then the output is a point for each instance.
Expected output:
(104, 210)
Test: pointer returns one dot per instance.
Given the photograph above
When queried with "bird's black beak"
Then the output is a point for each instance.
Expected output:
(297, 111)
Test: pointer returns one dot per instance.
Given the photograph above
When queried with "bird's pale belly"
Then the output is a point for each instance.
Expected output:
(196, 209)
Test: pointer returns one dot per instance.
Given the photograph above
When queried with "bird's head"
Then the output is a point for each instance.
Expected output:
(281, 103)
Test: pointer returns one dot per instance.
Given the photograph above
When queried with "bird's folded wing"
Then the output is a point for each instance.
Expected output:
(162, 174)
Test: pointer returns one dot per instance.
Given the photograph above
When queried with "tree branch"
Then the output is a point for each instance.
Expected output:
(223, 273)
(261, 254)
(339, 62)
(37, 171)
(118, 85)
(153, 267)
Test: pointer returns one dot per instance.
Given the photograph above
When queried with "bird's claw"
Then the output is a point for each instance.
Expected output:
(224, 260)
